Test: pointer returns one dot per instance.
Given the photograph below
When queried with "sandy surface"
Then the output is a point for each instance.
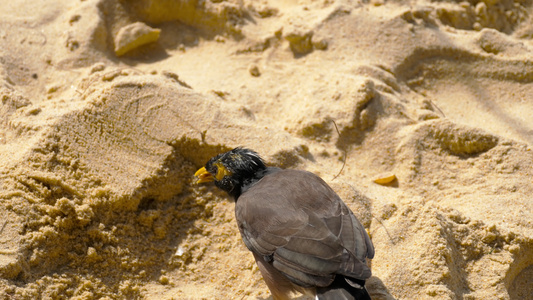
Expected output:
(108, 108)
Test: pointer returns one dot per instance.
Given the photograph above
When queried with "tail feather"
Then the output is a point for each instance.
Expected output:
(341, 289)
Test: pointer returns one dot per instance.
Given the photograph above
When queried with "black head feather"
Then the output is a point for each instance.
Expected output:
(234, 169)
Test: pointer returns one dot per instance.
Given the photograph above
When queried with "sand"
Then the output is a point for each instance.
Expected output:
(109, 107)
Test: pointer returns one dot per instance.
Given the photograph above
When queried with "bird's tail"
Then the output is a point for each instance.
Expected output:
(343, 288)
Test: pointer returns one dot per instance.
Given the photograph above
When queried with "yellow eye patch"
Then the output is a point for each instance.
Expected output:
(222, 171)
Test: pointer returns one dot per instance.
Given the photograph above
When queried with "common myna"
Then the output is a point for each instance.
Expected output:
(302, 235)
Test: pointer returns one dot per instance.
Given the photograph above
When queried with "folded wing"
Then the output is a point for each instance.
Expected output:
(299, 224)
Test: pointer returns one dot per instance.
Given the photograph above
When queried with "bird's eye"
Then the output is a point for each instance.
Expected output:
(221, 171)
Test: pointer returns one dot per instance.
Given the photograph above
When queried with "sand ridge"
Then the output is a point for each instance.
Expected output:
(108, 108)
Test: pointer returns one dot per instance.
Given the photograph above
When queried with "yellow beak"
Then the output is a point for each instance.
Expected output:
(203, 176)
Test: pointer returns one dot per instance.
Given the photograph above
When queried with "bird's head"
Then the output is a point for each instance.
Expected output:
(231, 170)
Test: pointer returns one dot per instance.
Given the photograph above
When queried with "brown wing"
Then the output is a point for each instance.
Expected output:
(294, 219)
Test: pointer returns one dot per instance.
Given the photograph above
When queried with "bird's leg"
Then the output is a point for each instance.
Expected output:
(280, 287)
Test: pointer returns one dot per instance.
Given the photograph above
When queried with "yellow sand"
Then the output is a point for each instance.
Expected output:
(430, 99)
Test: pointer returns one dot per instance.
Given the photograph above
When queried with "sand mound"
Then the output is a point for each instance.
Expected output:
(108, 108)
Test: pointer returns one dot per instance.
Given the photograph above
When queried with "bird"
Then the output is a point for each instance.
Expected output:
(302, 235)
